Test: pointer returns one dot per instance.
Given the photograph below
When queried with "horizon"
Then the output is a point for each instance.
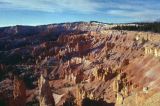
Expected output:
(75, 22)
(40, 12)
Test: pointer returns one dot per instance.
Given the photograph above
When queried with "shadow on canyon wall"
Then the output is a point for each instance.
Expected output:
(88, 102)
(100, 102)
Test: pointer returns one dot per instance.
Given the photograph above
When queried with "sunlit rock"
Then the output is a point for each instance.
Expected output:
(45, 94)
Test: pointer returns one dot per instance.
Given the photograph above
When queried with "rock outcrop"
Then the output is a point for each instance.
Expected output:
(19, 92)
(152, 49)
(82, 94)
(45, 94)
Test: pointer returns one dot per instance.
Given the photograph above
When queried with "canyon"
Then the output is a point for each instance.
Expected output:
(78, 64)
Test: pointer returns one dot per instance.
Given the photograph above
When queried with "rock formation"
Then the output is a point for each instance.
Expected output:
(112, 65)
(45, 94)
(19, 92)
(119, 99)
(79, 77)
(152, 49)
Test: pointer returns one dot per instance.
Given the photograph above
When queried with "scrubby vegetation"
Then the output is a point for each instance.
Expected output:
(153, 27)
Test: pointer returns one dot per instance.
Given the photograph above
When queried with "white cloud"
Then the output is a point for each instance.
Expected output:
(146, 15)
(52, 5)
(134, 9)
(138, 9)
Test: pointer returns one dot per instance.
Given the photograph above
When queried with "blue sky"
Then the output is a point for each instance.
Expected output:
(36, 12)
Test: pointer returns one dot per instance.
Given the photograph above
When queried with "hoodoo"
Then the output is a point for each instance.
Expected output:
(45, 94)
(19, 92)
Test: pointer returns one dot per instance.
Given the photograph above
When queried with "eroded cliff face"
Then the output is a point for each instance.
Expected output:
(114, 66)
(105, 67)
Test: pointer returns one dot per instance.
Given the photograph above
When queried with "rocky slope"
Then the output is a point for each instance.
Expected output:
(84, 64)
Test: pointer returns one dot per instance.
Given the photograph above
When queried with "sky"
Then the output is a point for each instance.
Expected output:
(38, 12)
